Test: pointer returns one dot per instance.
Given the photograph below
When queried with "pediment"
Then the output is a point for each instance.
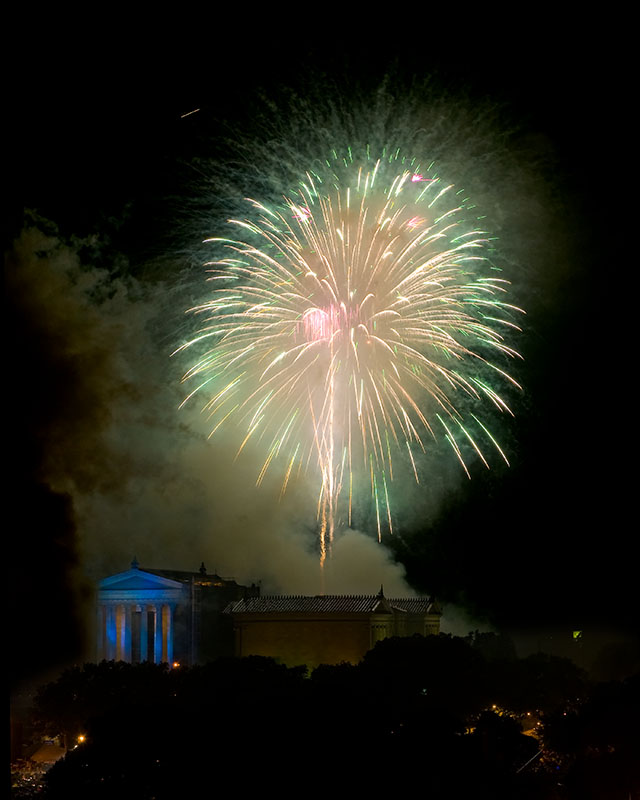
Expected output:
(381, 606)
(137, 579)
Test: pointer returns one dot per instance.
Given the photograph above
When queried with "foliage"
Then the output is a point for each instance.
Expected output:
(419, 702)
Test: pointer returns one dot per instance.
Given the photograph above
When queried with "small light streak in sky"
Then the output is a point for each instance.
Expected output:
(416, 178)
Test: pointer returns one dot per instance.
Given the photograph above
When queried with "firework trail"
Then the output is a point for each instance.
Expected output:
(360, 319)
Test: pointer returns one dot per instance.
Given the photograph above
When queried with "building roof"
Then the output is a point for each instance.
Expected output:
(416, 605)
(138, 580)
(327, 603)
(201, 577)
(198, 577)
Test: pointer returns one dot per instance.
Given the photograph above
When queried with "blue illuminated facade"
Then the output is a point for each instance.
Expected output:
(165, 615)
(137, 616)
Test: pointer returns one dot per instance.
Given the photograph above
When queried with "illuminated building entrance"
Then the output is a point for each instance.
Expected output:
(166, 615)
(137, 616)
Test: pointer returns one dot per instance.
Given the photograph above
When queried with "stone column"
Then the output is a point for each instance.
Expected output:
(100, 634)
(167, 633)
(120, 623)
(157, 639)
(126, 637)
(144, 635)
(110, 624)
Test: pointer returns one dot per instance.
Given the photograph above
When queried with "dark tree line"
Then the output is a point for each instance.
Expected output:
(440, 713)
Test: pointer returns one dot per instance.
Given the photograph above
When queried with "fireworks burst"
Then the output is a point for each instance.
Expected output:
(360, 319)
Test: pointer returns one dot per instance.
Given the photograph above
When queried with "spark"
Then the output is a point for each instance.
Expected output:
(356, 321)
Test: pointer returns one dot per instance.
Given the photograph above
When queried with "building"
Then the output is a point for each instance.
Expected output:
(326, 629)
(166, 615)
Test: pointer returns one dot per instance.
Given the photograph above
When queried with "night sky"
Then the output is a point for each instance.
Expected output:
(102, 233)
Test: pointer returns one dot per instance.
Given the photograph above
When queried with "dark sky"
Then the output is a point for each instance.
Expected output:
(100, 151)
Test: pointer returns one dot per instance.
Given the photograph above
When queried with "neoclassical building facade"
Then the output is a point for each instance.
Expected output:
(165, 615)
(192, 617)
